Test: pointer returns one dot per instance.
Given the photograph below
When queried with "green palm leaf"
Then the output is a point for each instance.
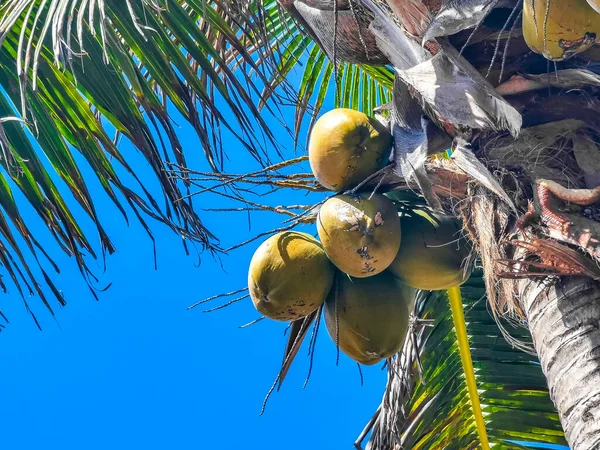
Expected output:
(81, 76)
(436, 412)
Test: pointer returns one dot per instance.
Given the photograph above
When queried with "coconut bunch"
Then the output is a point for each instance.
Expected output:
(371, 257)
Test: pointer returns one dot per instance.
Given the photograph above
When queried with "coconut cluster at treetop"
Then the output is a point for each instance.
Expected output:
(370, 259)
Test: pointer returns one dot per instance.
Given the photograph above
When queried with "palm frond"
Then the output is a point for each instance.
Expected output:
(178, 53)
(82, 77)
(435, 412)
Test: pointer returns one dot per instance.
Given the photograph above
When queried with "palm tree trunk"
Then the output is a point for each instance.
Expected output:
(564, 320)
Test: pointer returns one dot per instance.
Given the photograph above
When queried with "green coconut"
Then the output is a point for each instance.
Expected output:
(432, 253)
(289, 276)
(360, 233)
(347, 146)
(372, 316)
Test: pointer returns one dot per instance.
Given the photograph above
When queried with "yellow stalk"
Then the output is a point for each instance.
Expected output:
(458, 317)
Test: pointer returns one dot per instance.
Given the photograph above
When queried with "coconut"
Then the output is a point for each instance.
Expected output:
(432, 252)
(560, 29)
(368, 317)
(347, 146)
(594, 4)
(289, 276)
(360, 233)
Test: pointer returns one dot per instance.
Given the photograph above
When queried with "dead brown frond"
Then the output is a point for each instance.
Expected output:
(488, 224)
(550, 258)
(540, 152)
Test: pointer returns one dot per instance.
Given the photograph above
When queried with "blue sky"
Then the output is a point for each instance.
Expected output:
(136, 370)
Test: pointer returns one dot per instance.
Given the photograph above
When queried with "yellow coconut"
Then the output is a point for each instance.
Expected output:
(568, 27)
(289, 276)
(361, 234)
(594, 4)
(368, 317)
(432, 253)
(347, 146)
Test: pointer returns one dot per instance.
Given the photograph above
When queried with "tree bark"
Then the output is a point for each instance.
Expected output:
(564, 320)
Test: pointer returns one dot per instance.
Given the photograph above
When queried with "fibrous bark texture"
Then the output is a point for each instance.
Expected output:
(564, 320)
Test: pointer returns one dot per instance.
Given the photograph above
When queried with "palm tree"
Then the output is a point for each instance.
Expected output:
(529, 155)
(80, 74)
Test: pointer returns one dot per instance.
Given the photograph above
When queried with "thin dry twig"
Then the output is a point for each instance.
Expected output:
(225, 305)
(266, 233)
(246, 325)
(247, 177)
(214, 297)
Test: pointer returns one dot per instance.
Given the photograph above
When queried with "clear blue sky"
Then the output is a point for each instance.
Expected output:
(136, 370)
